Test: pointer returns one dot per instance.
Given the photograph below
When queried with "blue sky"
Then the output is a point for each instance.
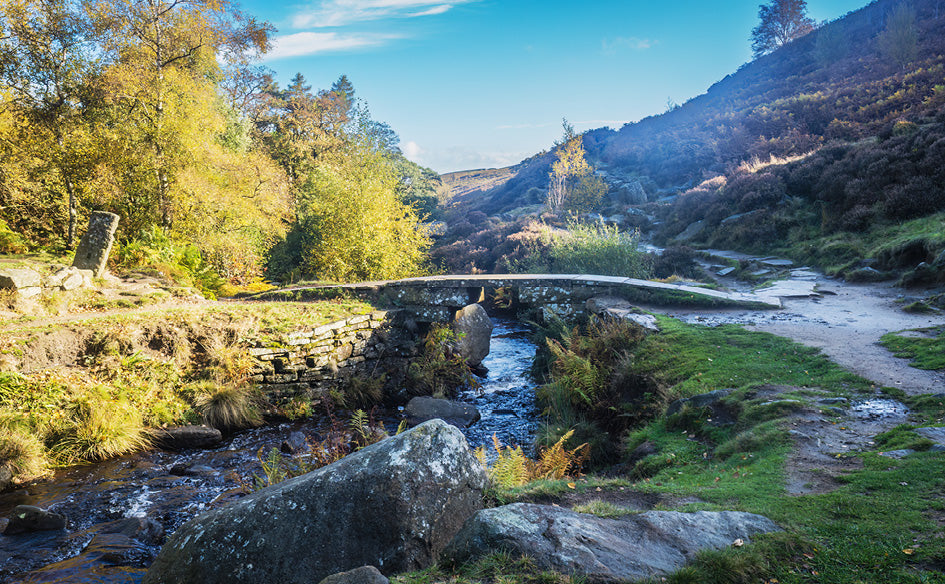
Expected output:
(484, 83)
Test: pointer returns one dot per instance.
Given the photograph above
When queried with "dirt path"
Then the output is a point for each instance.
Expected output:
(844, 320)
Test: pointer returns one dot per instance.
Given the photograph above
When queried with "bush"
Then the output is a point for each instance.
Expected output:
(11, 242)
(440, 370)
(596, 249)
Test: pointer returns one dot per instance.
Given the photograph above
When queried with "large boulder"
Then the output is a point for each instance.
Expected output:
(647, 545)
(24, 281)
(421, 409)
(475, 329)
(394, 505)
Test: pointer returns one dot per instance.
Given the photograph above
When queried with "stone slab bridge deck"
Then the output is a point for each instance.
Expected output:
(436, 298)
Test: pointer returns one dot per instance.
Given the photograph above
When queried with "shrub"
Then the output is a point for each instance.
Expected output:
(597, 249)
(440, 370)
(10, 241)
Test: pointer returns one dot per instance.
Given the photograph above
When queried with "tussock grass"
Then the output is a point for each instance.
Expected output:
(229, 407)
(98, 428)
(137, 370)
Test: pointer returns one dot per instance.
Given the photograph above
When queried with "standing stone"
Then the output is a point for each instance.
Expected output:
(394, 505)
(475, 328)
(96, 244)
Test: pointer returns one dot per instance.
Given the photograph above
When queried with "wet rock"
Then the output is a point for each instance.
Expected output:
(362, 575)
(422, 409)
(394, 505)
(649, 544)
(933, 434)
(143, 529)
(196, 470)
(475, 328)
(109, 557)
(937, 448)
(720, 414)
(28, 519)
(834, 411)
(296, 443)
(898, 454)
(833, 401)
(185, 437)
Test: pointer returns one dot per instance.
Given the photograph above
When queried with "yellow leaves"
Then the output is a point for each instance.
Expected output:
(511, 468)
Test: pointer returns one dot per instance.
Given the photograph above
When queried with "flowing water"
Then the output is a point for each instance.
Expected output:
(170, 488)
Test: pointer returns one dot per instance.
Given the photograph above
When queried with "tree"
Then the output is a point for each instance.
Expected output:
(574, 185)
(899, 41)
(48, 64)
(163, 65)
(781, 22)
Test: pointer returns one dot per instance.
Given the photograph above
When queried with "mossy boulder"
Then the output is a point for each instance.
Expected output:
(394, 505)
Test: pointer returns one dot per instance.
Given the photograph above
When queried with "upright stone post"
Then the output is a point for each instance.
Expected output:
(96, 244)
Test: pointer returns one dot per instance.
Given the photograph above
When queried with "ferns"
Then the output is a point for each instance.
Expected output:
(511, 468)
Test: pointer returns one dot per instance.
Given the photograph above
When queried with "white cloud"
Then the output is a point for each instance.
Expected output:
(343, 12)
(311, 43)
(522, 126)
(434, 11)
(455, 158)
(412, 151)
(612, 47)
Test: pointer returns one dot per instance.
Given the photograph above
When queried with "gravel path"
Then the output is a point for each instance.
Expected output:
(844, 320)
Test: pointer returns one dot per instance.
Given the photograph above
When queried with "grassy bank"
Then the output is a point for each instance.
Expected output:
(926, 348)
(89, 390)
(879, 522)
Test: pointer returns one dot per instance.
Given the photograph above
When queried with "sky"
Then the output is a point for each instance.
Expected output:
(485, 83)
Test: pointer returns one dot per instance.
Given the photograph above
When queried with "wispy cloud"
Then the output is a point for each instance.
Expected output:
(613, 46)
(460, 158)
(313, 43)
(523, 126)
(325, 13)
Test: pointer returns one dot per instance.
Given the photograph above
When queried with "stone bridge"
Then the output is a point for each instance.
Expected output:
(436, 298)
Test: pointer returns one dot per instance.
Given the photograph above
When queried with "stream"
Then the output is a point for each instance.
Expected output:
(164, 489)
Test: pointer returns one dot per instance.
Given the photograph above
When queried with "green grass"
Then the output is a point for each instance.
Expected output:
(842, 251)
(881, 524)
(692, 360)
(925, 352)
(137, 370)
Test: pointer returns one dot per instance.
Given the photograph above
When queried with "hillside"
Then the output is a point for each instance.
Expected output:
(834, 132)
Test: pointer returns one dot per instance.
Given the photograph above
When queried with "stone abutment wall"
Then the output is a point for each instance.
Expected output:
(311, 363)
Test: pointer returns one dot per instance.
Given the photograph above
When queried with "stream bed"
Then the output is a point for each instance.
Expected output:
(157, 491)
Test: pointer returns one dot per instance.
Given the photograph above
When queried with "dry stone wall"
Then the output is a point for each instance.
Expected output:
(312, 362)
